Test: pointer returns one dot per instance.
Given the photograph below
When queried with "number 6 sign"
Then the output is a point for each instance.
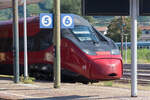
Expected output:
(67, 21)
(46, 20)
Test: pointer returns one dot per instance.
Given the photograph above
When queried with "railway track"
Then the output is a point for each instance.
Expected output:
(143, 73)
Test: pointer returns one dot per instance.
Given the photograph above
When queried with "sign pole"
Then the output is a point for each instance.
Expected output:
(15, 41)
(57, 60)
(122, 32)
(134, 6)
(25, 44)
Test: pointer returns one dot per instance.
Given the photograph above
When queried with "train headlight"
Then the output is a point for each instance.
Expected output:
(115, 52)
(89, 52)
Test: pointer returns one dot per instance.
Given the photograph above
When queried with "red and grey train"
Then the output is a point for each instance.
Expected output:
(84, 50)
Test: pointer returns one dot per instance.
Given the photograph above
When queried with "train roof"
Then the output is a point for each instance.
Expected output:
(6, 29)
(9, 22)
(78, 20)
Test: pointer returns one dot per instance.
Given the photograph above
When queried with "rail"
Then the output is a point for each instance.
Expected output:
(143, 73)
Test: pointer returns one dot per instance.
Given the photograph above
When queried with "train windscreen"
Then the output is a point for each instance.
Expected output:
(84, 33)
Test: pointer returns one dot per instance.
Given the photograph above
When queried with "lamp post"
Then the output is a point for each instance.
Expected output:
(25, 43)
(134, 12)
(126, 39)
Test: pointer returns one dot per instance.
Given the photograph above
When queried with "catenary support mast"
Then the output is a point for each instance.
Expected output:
(15, 41)
(57, 60)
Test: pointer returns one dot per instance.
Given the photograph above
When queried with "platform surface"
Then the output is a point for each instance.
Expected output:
(68, 91)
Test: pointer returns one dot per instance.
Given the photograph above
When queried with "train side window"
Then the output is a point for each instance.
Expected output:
(6, 44)
(44, 39)
(40, 41)
(30, 44)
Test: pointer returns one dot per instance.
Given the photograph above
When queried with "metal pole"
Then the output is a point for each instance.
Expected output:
(126, 50)
(25, 43)
(122, 36)
(15, 41)
(57, 33)
(134, 49)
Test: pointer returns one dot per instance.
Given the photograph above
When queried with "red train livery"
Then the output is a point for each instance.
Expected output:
(84, 50)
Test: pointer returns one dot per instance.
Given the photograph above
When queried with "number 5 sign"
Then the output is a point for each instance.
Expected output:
(46, 20)
(67, 21)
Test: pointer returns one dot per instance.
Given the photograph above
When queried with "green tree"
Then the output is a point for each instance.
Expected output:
(116, 26)
(46, 6)
(71, 6)
(74, 6)
(6, 14)
(33, 9)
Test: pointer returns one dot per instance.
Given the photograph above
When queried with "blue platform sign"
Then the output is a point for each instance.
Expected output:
(46, 20)
(67, 21)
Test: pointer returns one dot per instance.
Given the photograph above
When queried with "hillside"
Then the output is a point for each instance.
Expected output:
(67, 6)
(105, 20)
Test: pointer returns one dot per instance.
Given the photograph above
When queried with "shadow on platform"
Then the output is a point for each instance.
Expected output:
(72, 97)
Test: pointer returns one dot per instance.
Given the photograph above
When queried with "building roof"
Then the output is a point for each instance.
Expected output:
(101, 28)
(144, 27)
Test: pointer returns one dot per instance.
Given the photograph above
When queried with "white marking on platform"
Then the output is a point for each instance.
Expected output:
(13, 94)
(28, 85)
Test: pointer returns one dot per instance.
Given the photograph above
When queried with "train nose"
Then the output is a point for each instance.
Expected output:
(106, 69)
